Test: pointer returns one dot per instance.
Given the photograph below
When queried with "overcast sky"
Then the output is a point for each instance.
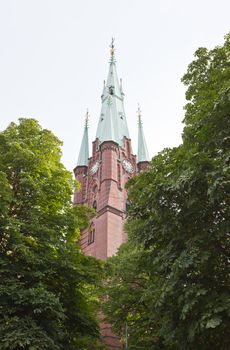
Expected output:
(54, 57)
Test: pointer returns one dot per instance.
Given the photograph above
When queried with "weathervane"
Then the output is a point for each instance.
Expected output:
(112, 48)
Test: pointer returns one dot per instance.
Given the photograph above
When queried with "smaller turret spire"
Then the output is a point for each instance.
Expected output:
(139, 114)
(87, 119)
(84, 150)
(142, 154)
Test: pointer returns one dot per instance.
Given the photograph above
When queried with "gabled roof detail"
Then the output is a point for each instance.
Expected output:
(112, 125)
(84, 150)
(142, 153)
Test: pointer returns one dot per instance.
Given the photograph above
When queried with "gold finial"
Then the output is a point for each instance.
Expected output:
(87, 118)
(112, 48)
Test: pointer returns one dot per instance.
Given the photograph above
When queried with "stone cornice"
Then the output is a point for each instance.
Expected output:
(111, 210)
(80, 169)
(108, 145)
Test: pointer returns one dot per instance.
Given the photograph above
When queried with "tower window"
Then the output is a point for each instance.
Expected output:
(91, 237)
(95, 205)
(94, 189)
(119, 175)
(128, 147)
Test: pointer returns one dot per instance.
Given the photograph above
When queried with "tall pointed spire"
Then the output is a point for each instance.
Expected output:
(84, 150)
(142, 154)
(112, 110)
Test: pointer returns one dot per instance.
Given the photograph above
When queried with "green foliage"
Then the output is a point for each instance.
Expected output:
(128, 278)
(46, 283)
(178, 226)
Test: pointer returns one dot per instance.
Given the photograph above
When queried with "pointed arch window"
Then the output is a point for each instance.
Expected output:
(91, 236)
(128, 148)
(94, 189)
(95, 205)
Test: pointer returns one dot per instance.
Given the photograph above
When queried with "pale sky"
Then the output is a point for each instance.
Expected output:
(54, 57)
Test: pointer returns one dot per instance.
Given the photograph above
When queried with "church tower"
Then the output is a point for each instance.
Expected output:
(103, 176)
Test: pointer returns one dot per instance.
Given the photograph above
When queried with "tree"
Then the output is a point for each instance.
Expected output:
(180, 217)
(46, 284)
(129, 302)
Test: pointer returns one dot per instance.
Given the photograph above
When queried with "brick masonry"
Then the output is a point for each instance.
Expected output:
(105, 190)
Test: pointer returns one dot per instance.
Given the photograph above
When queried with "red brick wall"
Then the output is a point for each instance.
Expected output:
(110, 196)
(107, 188)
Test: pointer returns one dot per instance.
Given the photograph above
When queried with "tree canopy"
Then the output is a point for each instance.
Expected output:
(170, 282)
(47, 285)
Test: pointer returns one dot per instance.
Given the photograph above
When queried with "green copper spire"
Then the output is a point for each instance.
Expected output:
(142, 154)
(84, 150)
(112, 125)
